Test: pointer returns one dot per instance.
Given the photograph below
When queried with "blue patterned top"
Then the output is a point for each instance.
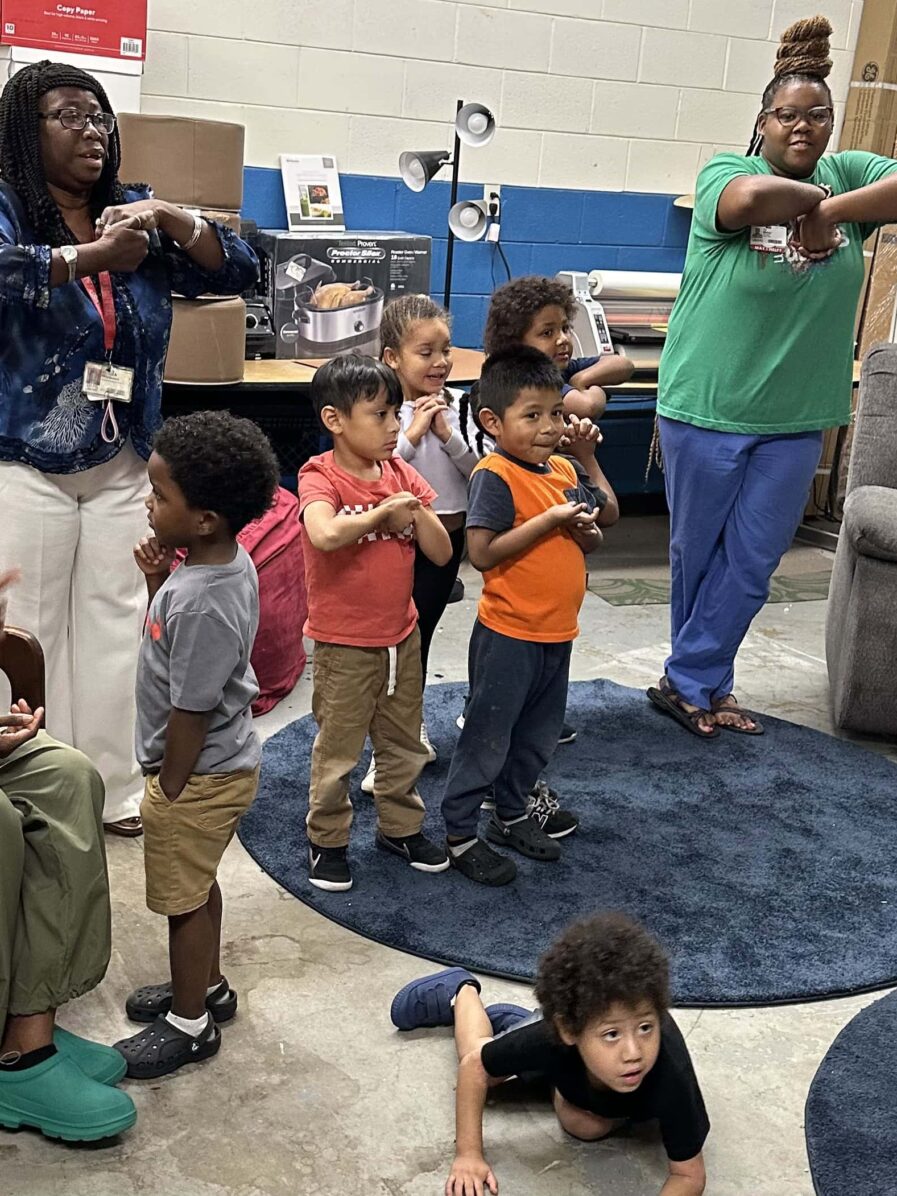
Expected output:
(47, 337)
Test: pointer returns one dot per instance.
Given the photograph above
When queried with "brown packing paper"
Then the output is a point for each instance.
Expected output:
(196, 163)
(208, 341)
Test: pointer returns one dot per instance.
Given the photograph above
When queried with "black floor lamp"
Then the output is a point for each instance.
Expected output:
(474, 125)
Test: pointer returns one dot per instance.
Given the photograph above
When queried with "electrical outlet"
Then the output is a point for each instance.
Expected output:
(492, 195)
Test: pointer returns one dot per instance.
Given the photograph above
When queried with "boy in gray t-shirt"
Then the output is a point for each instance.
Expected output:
(210, 474)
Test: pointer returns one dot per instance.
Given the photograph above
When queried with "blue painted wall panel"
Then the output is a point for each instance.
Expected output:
(544, 229)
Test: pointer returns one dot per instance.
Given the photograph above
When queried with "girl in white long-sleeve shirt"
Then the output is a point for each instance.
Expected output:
(416, 342)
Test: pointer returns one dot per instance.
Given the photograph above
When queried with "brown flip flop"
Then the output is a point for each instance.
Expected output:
(665, 698)
(717, 707)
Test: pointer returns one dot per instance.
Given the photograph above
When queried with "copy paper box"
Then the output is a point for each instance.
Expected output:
(106, 28)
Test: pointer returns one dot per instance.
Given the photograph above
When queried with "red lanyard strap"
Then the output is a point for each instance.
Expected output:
(105, 305)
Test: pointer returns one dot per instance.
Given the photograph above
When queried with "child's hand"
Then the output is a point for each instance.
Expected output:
(585, 531)
(440, 425)
(580, 436)
(471, 1175)
(152, 559)
(424, 413)
(565, 514)
(400, 510)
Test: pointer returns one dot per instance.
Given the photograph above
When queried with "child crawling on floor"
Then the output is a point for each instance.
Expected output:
(603, 1039)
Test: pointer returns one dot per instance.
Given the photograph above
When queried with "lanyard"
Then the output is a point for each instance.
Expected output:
(105, 305)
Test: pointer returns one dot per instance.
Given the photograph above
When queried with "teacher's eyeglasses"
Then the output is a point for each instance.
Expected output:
(787, 117)
(71, 118)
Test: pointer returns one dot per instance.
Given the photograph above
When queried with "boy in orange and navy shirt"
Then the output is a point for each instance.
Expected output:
(529, 524)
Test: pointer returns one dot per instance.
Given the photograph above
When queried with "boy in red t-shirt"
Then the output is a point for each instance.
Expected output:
(362, 511)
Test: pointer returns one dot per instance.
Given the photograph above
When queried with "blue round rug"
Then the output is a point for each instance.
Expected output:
(765, 865)
(851, 1115)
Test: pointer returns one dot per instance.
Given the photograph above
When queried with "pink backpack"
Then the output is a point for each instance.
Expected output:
(275, 546)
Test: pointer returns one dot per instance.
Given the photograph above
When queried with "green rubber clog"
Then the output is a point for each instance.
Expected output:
(98, 1062)
(57, 1098)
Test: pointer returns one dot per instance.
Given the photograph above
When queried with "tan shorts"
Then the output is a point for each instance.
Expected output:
(185, 839)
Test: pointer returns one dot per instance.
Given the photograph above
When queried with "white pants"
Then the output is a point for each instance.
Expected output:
(84, 598)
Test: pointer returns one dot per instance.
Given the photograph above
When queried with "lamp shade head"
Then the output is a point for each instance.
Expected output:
(475, 125)
(417, 167)
(467, 220)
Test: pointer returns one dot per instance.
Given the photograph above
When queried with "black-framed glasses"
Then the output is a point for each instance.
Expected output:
(74, 119)
(788, 116)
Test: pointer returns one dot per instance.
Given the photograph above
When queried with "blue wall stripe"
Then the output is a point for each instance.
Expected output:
(543, 230)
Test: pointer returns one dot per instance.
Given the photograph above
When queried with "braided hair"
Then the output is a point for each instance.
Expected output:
(802, 57)
(403, 313)
(21, 163)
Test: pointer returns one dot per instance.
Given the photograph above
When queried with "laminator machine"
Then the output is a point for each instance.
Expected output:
(626, 312)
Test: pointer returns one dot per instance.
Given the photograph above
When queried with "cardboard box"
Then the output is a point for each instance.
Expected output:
(196, 163)
(378, 266)
(880, 313)
(208, 341)
(870, 121)
(230, 220)
(107, 28)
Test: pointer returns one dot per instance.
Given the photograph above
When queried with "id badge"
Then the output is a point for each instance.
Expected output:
(105, 382)
(769, 238)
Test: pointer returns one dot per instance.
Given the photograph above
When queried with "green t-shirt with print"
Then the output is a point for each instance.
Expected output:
(762, 343)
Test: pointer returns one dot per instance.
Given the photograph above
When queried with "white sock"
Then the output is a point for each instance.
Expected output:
(512, 821)
(213, 988)
(457, 849)
(192, 1026)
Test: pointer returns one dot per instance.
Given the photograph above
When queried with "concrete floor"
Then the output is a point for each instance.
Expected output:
(314, 1093)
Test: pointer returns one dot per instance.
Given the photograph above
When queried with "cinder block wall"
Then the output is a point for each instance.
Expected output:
(606, 109)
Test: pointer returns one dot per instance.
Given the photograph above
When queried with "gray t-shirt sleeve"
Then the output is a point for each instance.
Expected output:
(490, 503)
(204, 654)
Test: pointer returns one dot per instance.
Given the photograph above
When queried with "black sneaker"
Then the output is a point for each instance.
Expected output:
(568, 734)
(328, 868)
(457, 592)
(526, 836)
(420, 852)
(481, 864)
(545, 807)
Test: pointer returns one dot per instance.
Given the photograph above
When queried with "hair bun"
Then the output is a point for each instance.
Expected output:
(804, 49)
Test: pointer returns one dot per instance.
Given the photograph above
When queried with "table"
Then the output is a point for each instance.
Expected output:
(276, 395)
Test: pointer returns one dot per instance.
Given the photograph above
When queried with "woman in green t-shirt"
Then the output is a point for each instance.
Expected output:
(756, 365)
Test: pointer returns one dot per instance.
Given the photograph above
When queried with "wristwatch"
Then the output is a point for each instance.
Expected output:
(69, 254)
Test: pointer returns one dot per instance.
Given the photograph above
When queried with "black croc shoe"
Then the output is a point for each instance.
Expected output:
(525, 836)
(162, 1048)
(145, 1004)
(483, 865)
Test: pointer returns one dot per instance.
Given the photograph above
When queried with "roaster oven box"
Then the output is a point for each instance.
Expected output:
(362, 272)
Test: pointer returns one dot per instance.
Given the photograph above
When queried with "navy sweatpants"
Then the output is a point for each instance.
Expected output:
(514, 715)
(735, 503)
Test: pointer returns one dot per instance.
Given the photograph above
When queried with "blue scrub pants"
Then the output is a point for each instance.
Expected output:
(735, 503)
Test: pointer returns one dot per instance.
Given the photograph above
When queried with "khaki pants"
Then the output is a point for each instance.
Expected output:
(55, 930)
(350, 702)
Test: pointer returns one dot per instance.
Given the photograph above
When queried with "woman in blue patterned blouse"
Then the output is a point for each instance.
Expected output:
(87, 268)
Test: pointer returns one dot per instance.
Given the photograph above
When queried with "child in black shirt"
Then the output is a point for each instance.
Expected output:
(603, 1039)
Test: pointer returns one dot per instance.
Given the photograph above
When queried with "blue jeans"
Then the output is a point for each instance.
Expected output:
(735, 503)
(514, 715)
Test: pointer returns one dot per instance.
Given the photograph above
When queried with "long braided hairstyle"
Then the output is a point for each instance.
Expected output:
(802, 57)
(21, 164)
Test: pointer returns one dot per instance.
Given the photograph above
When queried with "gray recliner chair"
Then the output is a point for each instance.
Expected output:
(861, 621)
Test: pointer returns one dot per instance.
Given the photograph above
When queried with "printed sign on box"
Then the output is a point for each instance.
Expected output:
(108, 28)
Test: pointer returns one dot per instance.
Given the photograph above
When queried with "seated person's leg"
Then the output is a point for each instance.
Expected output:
(587, 1127)
(54, 943)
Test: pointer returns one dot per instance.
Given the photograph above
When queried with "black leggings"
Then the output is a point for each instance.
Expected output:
(432, 589)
